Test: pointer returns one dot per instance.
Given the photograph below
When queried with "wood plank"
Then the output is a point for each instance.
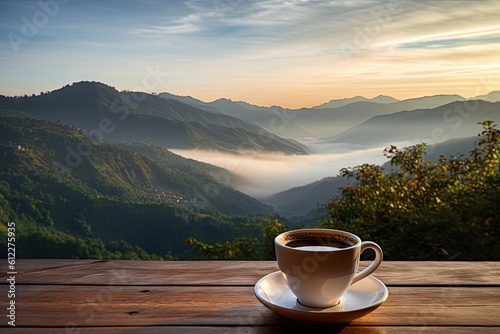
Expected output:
(93, 272)
(127, 272)
(38, 305)
(285, 329)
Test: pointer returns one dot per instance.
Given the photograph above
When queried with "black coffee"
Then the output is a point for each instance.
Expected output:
(323, 244)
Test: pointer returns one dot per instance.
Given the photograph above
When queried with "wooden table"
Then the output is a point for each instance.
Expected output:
(85, 296)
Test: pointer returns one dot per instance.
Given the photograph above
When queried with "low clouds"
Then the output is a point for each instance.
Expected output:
(267, 174)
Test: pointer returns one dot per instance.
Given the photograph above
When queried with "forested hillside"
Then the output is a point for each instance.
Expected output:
(74, 196)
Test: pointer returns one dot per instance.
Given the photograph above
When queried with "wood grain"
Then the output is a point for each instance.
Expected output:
(88, 272)
(89, 296)
(40, 305)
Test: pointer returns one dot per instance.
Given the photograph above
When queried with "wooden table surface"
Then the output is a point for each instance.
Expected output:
(86, 296)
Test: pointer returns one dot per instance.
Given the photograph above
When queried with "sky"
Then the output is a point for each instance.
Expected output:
(295, 53)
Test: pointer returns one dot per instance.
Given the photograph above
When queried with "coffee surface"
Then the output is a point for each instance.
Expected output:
(318, 244)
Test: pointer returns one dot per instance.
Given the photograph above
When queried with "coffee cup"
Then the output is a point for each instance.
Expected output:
(319, 265)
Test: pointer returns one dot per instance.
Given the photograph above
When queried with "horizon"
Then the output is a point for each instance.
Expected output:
(30, 94)
(291, 54)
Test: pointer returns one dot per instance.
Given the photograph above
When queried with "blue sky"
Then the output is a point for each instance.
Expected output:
(291, 53)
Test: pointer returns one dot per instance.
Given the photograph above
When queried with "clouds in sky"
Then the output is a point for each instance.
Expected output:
(291, 53)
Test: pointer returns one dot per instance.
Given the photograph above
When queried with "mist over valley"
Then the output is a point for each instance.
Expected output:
(263, 174)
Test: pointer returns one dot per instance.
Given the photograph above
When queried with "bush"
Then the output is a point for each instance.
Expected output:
(419, 210)
(424, 210)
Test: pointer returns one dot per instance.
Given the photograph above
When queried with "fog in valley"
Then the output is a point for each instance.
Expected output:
(267, 174)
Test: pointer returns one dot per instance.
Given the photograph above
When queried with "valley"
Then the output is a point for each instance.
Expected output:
(100, 173)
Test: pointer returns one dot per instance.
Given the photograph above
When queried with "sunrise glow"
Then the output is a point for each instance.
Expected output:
(290, 53)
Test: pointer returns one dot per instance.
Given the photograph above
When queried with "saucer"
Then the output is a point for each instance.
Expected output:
(360, 299)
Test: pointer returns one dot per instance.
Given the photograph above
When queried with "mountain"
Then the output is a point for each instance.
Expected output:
(321, 121)
(296, 124)
(126, 170)
(72, 195)
(342, 102)
(327, 122)
(491, 96)
(274, 119)
(133, 116)
(191, 167)
(299, 201)
(223, 105)
(453, 120)
(426, 102)
(187, 100)
(328, 119)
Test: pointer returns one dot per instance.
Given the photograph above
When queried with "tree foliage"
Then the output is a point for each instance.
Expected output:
(418, 210)
(256, 243)
(423, 210)
(132, 201)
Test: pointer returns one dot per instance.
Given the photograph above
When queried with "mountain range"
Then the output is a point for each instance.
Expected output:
(452, 120)
(328, 119)
(133, 116)
(87, 164)
(184, 122)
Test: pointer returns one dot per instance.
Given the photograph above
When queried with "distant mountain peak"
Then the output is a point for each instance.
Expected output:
(446, 97)
(223, 99)
(87, 87)
(89, 84)
(493, 96)
(341, 102)
(384, 99)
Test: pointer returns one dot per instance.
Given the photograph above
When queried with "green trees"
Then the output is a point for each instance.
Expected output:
(423, 210)
(256, 243)
(418, 210)
(130, 201)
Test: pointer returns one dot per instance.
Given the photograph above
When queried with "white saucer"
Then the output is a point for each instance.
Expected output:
(362, 298)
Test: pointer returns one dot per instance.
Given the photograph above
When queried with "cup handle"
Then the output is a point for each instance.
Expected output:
(374, 265)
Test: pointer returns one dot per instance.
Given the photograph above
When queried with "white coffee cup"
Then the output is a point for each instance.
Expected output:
(319, 265)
